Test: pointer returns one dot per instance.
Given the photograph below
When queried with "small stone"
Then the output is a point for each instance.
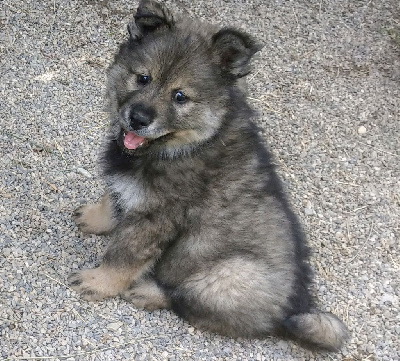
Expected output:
(362, 130)
(339, 235)
(388, 298)
(164, 354)
(84, 172)
(371, 348)
(283, 345)
(308, 210)
(114, 326)
(46, 77)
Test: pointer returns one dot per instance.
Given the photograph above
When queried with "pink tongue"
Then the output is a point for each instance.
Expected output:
(132, 141)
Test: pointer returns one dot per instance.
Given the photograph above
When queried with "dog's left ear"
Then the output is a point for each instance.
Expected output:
(233, 50)
(150, 16)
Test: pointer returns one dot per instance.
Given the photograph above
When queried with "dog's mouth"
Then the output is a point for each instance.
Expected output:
(133, 141)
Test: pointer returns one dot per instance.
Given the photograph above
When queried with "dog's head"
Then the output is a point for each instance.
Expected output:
(169, 84)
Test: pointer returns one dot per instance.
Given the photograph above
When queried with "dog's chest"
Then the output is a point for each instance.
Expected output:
(127, 190)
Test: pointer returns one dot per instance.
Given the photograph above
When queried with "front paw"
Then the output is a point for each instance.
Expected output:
(98, 283)
(87, 284)
(82, 218)
(95, 218)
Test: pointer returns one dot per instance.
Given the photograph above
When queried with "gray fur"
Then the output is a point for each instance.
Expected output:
(201, 222)
(322, 329)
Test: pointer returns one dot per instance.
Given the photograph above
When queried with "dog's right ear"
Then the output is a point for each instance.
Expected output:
(150, 16)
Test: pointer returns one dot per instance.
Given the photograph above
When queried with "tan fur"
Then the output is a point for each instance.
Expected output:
(146, 294)
(96, 218)
(104, 281)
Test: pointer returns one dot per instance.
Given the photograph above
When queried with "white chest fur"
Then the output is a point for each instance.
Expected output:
(129, 191)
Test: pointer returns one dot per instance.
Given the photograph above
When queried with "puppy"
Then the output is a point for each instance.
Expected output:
(198, 217)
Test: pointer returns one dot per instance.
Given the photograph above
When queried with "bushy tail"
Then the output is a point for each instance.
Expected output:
(323, 330)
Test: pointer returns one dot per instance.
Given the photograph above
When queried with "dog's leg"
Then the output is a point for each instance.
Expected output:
(96, 218)
(102, 282)
(146, 293)
(138, 242)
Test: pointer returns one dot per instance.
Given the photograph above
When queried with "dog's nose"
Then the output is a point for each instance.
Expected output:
(141, 116)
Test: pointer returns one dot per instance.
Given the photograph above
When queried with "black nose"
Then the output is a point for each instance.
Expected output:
(141, 116)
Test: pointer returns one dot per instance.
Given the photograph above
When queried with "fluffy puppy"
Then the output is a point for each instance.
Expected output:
(198, 218)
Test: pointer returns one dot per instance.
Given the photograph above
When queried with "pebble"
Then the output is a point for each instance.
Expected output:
(362, 130)
(308, 210)
(84, 172)
(388, 298)
(114, 326)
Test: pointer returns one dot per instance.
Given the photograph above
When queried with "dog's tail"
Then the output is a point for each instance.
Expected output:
(320, 329)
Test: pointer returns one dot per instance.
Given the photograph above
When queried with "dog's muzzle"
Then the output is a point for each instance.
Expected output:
(141, 116)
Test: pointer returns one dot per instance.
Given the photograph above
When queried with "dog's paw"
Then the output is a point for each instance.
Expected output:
(139, 300)
(93, 218)
(146, 295)
(89, 283)
(82, 218)
(98, 283)
(85, 283)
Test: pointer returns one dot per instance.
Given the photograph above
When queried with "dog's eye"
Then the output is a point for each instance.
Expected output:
(143, 79)
(180, 97)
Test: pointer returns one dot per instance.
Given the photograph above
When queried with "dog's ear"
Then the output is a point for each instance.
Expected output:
(233, 50)
(150, 16)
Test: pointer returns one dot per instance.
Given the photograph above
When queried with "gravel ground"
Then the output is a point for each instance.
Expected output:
(326, 86)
